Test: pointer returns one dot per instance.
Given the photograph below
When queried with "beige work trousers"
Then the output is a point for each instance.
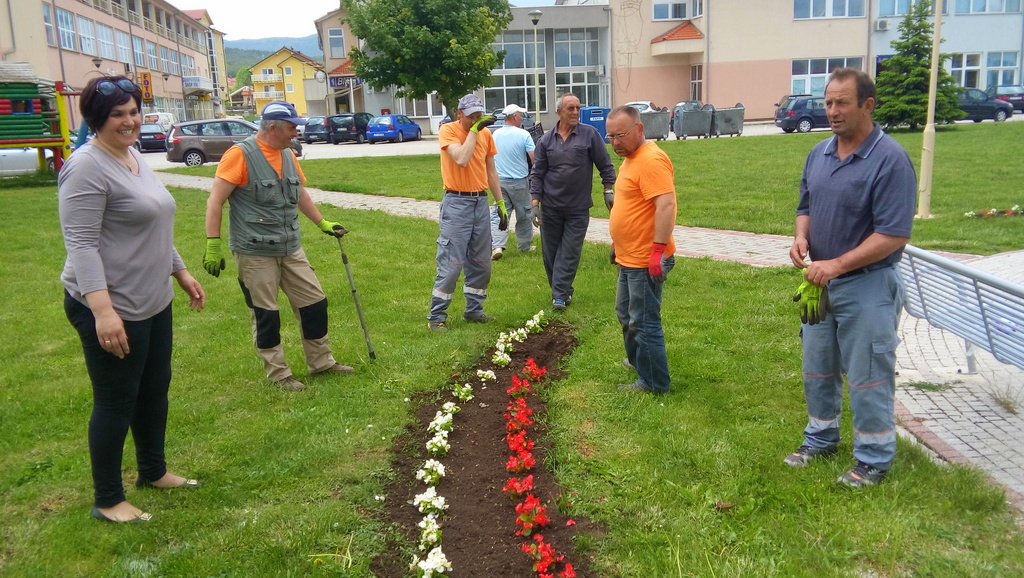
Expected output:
(264, 277)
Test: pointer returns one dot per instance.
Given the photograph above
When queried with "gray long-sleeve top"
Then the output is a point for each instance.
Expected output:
(119, 233)
(563, 170)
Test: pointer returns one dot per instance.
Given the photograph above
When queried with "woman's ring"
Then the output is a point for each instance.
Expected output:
(107, 341)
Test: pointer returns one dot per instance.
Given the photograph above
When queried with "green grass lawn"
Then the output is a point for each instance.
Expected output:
(751, 184)
(291, 477)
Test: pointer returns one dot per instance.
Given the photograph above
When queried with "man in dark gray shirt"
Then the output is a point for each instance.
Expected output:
(560, 187)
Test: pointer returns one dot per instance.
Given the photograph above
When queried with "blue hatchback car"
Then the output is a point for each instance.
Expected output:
(392, 127)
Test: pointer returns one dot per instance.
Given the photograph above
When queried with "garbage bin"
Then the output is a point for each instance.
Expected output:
(655, 124)
(727, 121)
(536, 131)
(692, 119)
(595, 116)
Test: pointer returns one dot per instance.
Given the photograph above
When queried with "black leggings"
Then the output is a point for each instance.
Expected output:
(127, 393)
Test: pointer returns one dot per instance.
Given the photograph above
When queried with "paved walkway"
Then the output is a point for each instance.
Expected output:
(957, 416)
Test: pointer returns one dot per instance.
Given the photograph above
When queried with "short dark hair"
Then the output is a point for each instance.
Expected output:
(632, 113)
(96, 106)
(865, 85)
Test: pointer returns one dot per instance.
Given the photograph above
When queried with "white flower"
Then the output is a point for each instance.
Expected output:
(431, 472)
(430, 534)
(501, 359)
(441, 422)
(450, 408)
(485, 375)
(435, 564)
(438, 445)
(429, 502)
(379, 498)
(463, 392)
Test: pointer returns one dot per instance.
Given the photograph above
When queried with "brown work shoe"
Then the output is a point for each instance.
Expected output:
(290, 383)
(336, 368)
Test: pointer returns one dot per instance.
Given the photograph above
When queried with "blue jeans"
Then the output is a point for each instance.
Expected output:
(516, 193)
(638, 306)
(561, 240)
(464, 243)
(859, 339)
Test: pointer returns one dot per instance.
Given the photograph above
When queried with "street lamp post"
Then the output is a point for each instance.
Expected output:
(535, 18)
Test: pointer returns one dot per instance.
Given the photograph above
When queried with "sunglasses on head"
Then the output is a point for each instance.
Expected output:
(107, 87)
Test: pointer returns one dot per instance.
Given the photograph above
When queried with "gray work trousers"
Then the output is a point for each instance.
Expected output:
(464, 243)
(561, 238)
(516, 193)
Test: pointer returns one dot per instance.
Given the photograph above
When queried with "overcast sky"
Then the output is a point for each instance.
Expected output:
(238, 20)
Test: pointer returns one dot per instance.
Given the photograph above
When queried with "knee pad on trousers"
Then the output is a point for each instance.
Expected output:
(314, 320)
(268, 328)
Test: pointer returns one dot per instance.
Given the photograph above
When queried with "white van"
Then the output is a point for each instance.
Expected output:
(164, 119)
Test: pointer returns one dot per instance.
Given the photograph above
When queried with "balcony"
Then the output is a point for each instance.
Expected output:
(196, 84)
(269, 95)
(267, 78)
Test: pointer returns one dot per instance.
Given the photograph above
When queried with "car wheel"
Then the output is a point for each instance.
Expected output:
(805, 125)
(1000, 116)
(194, 158)
(49, 165)
(361, 138)
(371, 141)
(138, 145)
(401, 137)
(787, 130)
(419, 134)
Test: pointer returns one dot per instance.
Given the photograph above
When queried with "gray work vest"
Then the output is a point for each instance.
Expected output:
(264, 213)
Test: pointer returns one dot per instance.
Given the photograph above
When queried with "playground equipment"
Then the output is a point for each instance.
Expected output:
(32, 115)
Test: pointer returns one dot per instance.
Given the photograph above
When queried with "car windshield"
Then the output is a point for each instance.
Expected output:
(787, 102)
(1010, 89)
(342, 120)
(151, 128)
(380, 120)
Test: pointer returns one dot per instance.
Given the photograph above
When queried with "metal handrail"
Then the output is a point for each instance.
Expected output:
(983, 309)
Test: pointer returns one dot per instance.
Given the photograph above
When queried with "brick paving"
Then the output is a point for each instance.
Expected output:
(956, 415)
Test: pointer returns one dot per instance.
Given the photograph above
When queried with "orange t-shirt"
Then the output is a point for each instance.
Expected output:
(472, 177)
(232, 165)
(644, 175)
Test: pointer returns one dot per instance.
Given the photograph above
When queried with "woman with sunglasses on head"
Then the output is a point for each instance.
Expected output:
(118, 225)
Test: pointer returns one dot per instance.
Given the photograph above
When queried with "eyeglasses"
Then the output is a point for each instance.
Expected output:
(107, 87)
(621, 136)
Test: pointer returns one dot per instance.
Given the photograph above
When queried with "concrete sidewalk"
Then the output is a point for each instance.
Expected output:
(958, 416)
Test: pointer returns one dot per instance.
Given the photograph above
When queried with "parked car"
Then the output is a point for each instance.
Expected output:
(198, 141)
(316, 130)
(500, 120)
(801, 112)
(164, 119)
(348, 126)
(152, 137)
(1011, 93)
(978, 106)
(392, 127)
(23, 161)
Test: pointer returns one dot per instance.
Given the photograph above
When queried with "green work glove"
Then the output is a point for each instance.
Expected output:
(484, 122)
(502, 215)
(810, 298)
(213, 259)
(331, 228)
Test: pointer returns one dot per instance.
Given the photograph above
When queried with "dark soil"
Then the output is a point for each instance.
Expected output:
(478, 530)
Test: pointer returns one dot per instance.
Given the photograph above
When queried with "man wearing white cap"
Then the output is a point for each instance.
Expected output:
(464, 242)
(263, 181)
(515, 155)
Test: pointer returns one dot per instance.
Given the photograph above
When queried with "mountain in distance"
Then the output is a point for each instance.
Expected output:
(247, 52)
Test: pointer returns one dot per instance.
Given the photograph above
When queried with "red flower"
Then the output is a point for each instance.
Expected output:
(535, 373)
(515, 488)
(519, 441)
(520, 387)
(530, 516)
(521, 462)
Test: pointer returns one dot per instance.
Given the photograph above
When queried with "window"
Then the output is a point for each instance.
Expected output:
(518, 46)
(697, 82)
(239, 129)
(124, 47)
(576, 47)
(424, 108)
(86, 36)
(987, 6)
(105, 39)
(901, 7)
(827, 9)
(140, 55)
(66, 30)
(174, 62)
(810, 75)
(1002, 68)
(266, 71)
(287, 70)
(698, 8)
(670, 10)
(336, 43)
(585, 85)
(514, 88)
(48, 25)
(289, 87)
(966, 69)
(154, 60)
(165, 59)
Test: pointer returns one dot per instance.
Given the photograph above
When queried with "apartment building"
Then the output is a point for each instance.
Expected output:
(287, 75)
(75, 40)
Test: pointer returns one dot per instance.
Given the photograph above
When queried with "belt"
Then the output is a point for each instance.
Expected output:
(467, 193)
(862, 270)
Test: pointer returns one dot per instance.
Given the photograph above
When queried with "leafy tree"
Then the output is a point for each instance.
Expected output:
(243, 77)
(902, 85)
(421, 46)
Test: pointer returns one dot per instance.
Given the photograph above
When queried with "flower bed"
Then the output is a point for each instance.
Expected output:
(483, 459)
(1014, 211)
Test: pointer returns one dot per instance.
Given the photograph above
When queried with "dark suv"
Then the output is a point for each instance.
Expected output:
(349, 126)
(801, 112)
(315, 131)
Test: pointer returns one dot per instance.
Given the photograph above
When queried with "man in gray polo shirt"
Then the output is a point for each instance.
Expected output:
(855, 214)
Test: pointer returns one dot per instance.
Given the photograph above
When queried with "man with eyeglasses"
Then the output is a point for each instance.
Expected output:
(641, 225)
(263, 182)
(560, 187)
